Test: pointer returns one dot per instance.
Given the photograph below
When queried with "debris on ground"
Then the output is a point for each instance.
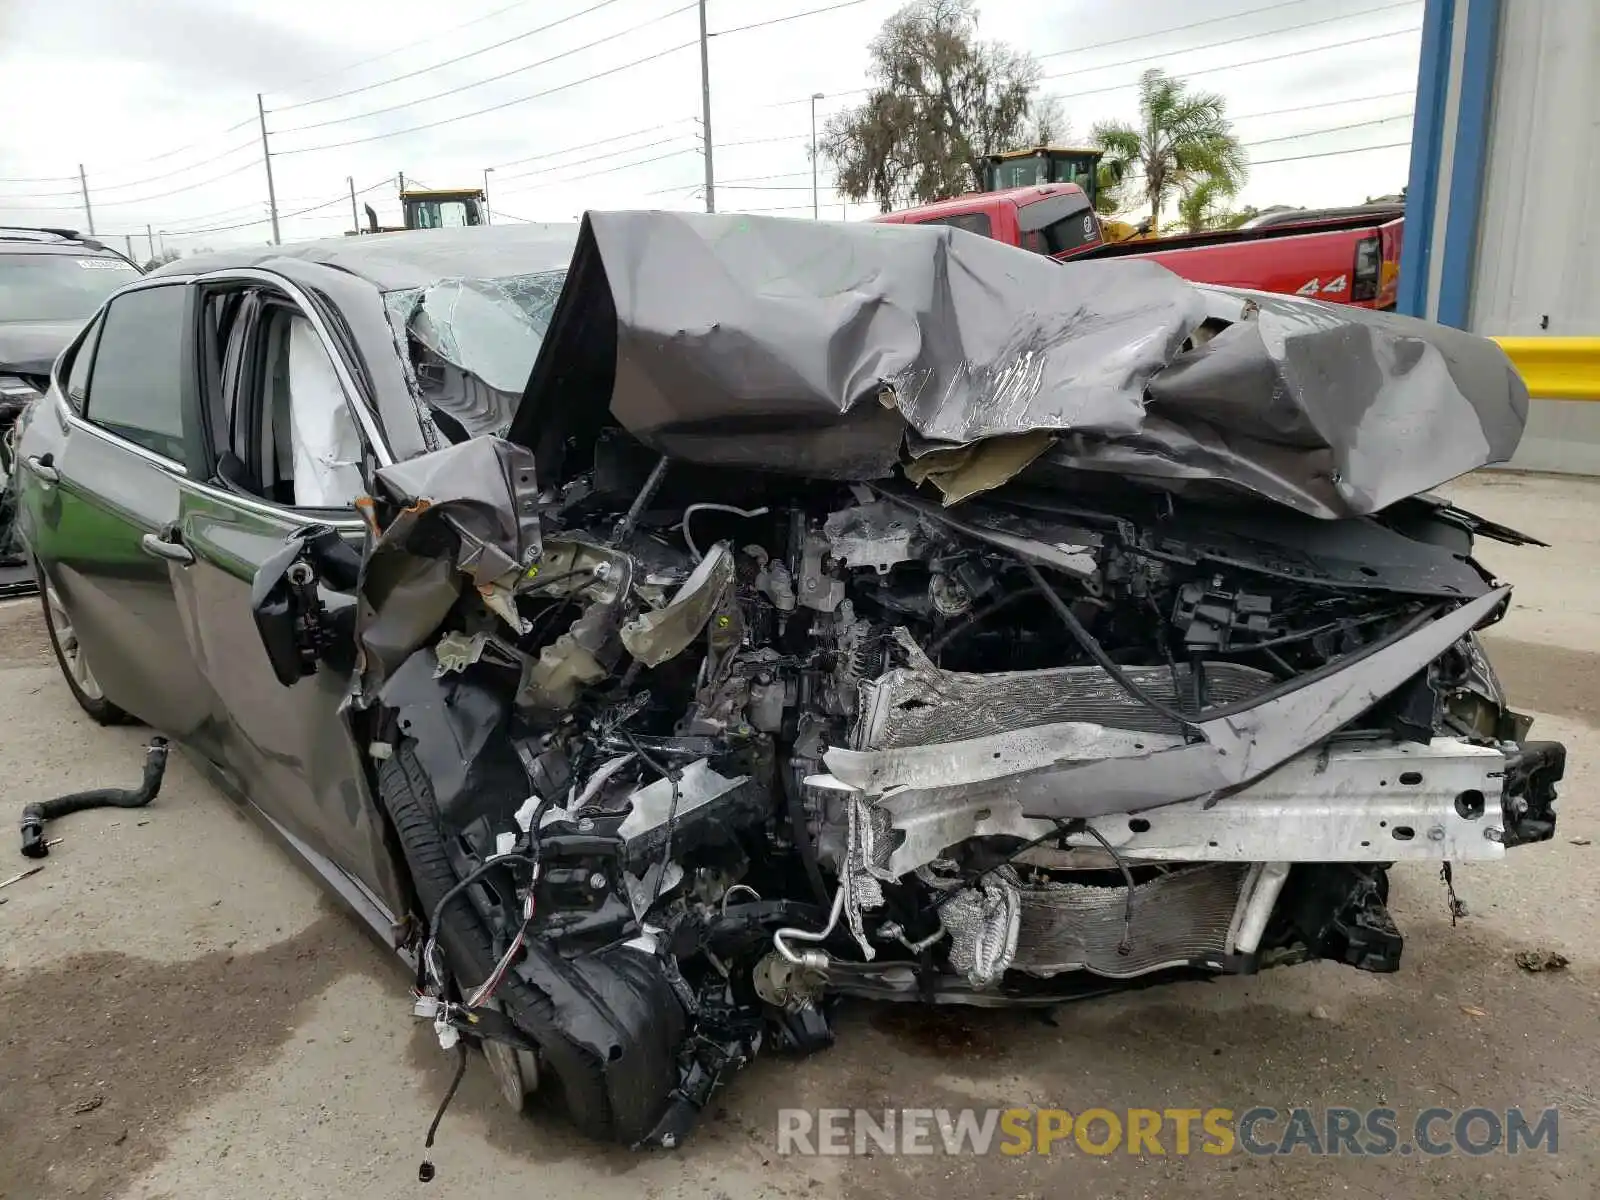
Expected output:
(35, 815)
(20, 876)
(1541, 960)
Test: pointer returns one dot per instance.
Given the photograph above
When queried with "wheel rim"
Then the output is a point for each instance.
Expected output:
(72, 655)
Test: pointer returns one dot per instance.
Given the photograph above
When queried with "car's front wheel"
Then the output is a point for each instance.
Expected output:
(74, 660)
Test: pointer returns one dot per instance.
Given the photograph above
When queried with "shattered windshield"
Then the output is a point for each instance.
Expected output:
(470, 345)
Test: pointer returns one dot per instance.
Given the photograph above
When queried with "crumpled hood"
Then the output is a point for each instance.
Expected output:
(842, 350)
(31, 347)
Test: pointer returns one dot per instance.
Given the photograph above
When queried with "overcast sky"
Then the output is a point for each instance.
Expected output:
(158, 100)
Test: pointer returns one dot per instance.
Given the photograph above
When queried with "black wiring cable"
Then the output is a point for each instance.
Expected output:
(1125, 946)
(425, 1170)
(1097, 652)
(471, 878)
(1331, 627)
(977, 618)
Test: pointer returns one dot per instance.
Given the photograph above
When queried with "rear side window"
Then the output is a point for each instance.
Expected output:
(135, 388)
(1057, 224)
(78, 368)
(972, 222)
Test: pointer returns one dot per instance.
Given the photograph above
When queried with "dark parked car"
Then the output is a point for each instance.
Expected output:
(51, 282)
(662, 628)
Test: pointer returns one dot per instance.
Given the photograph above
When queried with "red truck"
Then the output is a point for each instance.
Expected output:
(1346, 256)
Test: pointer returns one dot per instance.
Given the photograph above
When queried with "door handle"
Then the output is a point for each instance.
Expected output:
(159, 547)
(42, 468)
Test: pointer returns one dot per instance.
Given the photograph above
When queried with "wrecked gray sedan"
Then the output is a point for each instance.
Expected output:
(660, 629)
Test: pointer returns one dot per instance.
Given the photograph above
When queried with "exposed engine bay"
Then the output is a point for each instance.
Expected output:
(918, 621)
(792, 742)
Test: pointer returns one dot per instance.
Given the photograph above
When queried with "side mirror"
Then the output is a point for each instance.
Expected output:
(298, 631)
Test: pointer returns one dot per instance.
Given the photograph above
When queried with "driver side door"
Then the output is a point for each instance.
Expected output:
(283, 454)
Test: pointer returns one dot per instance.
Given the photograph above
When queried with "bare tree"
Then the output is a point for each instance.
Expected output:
(1047, 122)
(943, 100)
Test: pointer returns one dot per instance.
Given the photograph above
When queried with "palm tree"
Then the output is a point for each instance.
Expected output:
(1204, 206)
(1184, 140)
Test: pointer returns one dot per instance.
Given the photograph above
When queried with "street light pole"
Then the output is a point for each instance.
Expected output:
(815, 96)
(487, 219)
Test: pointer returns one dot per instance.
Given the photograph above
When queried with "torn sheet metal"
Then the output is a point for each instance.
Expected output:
(1330, 410)
(798, 337)
(793, 329)
(1244, 742)
(659, 634)
(965, 471)
(481, 495)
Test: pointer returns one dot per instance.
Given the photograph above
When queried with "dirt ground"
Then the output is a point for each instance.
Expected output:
(183, 1015)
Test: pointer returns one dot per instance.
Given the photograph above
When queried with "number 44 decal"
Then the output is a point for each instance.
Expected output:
(1312, 287)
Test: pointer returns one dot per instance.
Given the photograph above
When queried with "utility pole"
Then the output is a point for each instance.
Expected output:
(355, 216)
(83, 182)
(487, 218)
(705, 104)
(128, 238)
(815, 96)
(266, 157)
(150, 238)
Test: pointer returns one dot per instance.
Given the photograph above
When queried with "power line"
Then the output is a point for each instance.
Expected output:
(494, 107)
(1262, 162)
(42, 179)
(1273, 112)
(341, 198)
(1139, 37)
(791, 17)
(1152, 33)
(156, 196)
(599, 158)
(1251, 62)
(608, 171)
(787, 137)
(1278, 112)
(1290, 137)
(249, 166)
(449, 62)
(610, 37)
(101, 189)
(431, 38)
(1248, 37)
(117, 187)
(593, 142)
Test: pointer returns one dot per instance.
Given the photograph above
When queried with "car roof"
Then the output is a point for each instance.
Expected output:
(410, 259)
(23, 239)
(973, 201)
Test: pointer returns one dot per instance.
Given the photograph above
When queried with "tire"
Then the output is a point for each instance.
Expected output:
(407, 793)
(71, 659)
